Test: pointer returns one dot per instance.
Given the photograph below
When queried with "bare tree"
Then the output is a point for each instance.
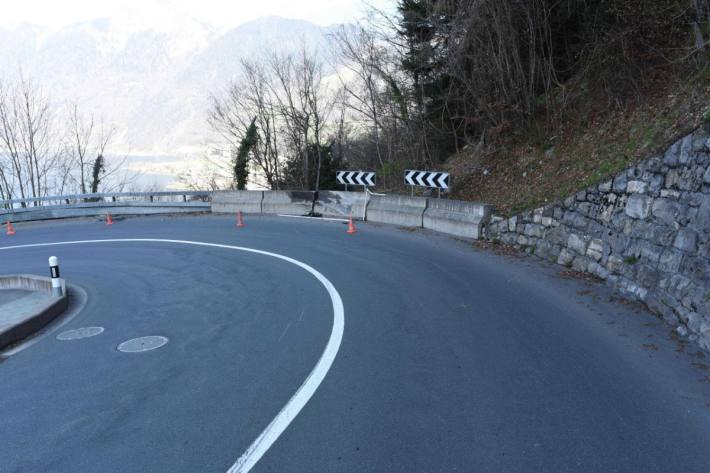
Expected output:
(81, 132)
(305, 103)
(86, 146)
(288, 100)
(292, 109)
(361, 57)
(8, 156)
(249, 98)
(26, 134)
(35, 129)
(318, 100)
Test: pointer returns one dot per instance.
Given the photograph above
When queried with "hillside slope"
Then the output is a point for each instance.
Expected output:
(551, 159)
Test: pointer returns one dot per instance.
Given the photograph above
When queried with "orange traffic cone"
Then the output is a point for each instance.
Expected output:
(240, 222)
(109, 219)
(351, 226)
(10, 228)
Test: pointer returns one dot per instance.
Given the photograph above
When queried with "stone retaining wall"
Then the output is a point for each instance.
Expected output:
(646, 232)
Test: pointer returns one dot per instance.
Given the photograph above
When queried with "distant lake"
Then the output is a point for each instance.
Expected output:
(157, 172)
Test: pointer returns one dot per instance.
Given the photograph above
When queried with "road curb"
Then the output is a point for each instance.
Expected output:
(40, 317)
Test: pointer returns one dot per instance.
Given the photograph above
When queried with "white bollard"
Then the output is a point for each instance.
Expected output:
(56, 281)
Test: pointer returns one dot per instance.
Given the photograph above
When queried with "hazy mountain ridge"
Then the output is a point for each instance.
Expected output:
(153, 84)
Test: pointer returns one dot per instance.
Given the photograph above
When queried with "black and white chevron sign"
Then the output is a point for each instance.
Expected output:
(439, 180)
(356, 178)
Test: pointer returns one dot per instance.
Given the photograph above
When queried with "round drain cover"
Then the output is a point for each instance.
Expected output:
(135, 345)
(76, 334)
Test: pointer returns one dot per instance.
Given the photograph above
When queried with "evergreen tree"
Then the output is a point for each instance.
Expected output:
(424, 26)
(97, 173)
(417, 30)
(330, 163)
(241, 158)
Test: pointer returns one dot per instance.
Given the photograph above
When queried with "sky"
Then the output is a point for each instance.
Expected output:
(56, 14)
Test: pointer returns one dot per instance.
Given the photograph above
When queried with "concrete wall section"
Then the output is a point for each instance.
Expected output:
(341, 204)
(28, 282)
(455, 217)
(24, 316)
(397, 210)
(236, 201)
(287, 202)
(646, 231)
(30, 325)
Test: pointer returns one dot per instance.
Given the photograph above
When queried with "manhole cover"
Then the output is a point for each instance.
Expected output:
(135, 345)
(76, 334)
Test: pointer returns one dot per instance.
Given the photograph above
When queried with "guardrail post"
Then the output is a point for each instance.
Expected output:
(151, 198)
(184, 198)
(56, 281)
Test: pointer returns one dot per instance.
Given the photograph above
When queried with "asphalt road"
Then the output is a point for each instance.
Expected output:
(453, 359)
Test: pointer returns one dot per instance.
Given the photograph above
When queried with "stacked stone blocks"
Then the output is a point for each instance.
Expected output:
(646, 232)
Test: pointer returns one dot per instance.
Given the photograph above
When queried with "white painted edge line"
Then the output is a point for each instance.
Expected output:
(315, 218)
(304, 393)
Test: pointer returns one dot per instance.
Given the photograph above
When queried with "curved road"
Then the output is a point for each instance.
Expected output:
(453, 359)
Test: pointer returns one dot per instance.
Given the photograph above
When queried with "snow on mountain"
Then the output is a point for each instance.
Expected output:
(152, 82)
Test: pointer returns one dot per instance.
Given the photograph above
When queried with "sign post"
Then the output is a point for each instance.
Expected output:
(357, 178)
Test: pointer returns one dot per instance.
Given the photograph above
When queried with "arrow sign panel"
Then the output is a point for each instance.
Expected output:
(356, 178)
(438, 180)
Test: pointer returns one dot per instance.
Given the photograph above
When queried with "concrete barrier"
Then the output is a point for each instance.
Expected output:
(456, 217)
(29, 282)
(397, 210)
(287, 202)
(235, 201)
(26, 315)
(341, 204)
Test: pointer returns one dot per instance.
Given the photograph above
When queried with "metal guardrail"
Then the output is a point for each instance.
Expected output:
(31, 202)
(123, 203)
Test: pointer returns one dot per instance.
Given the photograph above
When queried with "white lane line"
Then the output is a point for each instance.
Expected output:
(288, 326)
(294, 405)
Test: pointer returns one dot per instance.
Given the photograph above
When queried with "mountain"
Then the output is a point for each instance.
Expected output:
(152, 83)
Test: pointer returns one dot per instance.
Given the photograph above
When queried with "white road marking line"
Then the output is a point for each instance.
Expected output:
(315, 218)
(294, 405)
(288, 325)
